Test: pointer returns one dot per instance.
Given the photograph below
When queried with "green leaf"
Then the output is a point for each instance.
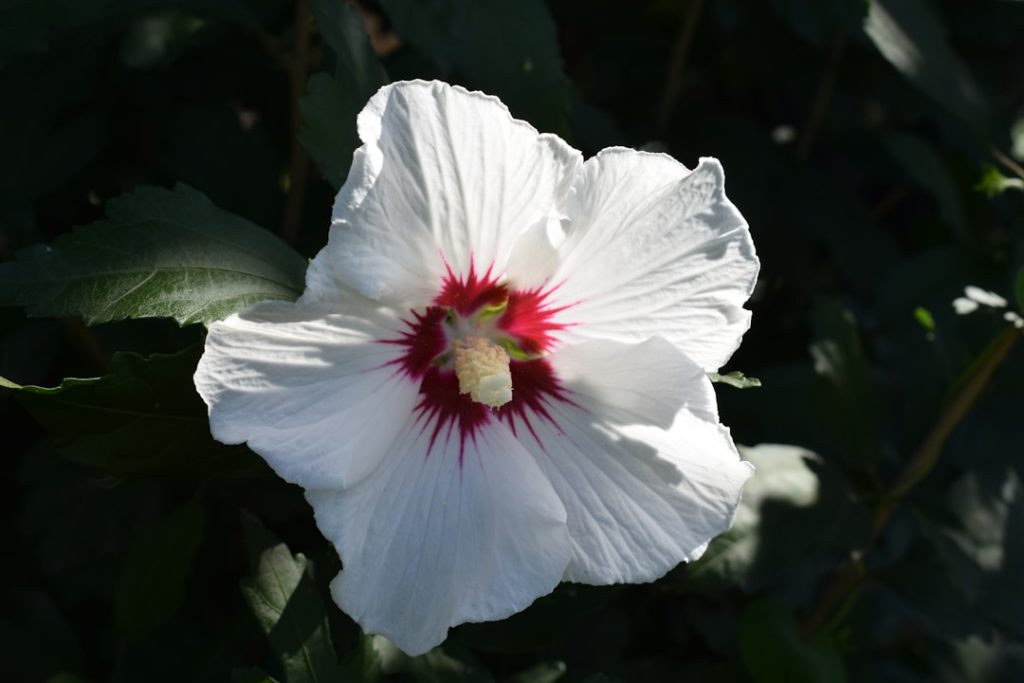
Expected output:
(925, 318)
(252, 675)
(848, 399)
(735, 379)
(508, 49)
(782, 509)
(545, 672)
(160, 253)
(774, 651)
(922, 163)
(152, 578)
(143, 419)
(1019, 289)
(993, 182)
(332, 101)
(910, 35)
(285, 602)
(436, 666)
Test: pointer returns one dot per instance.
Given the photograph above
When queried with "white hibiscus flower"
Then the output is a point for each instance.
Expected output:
(496, 377)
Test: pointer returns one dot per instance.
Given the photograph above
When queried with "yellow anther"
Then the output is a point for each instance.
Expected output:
(483, 371)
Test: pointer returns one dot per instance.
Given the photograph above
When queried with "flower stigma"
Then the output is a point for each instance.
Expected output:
(482, 368)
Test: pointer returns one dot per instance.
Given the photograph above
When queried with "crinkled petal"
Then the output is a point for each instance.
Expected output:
(656, 249)
(308, 387)
(431, 541)
(445, 179)
(640, 498)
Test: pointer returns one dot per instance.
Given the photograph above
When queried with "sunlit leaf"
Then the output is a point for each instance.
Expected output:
(152, 579)
(160, 253)
(281, 594)
(993, 182)
(735, 379)
(910, 35)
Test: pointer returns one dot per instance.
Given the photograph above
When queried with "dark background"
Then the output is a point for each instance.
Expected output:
(869, 147)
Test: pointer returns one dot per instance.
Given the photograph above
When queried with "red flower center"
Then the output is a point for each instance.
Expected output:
(522, 317)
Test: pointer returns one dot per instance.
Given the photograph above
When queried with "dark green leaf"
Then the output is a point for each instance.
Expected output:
(507, 49)
(735, 379)
(783, 506)
(152, 579)
(161, 253)
(848, 399)
(331, 103)
(1019, 289)
(436, 666)
(545, 672)
(774, 651)
(910, 35)
(921, 162)
(363, 662)
(143, 419)
(253, 675)
(285, 602)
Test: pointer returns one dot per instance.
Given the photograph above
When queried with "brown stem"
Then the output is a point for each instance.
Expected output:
(82, 337)
(298, 165)
(841, 589)
(822, 96)
(1006, 161)
(674, 80)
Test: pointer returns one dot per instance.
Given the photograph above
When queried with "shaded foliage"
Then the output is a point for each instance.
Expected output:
(872, 147)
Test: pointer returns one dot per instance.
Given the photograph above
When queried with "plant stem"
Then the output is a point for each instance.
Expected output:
(822, 96)
(674, 80)
(298, 165)
(1006, 161)
(838, 593)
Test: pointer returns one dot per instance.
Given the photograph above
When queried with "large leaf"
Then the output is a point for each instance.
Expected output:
(152, 580)
(774, 651)
(508, 49)
(912, 38)
(143, 419)
(285, 602)
(332, 101)
(160, 253)
(777, 524)
(848, 399)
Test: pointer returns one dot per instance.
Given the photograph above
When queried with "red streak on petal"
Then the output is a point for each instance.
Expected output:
(471, 294)
(424, 340)
(530, 319)
(449, 414)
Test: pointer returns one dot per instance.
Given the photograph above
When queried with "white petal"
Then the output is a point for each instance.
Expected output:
(655, 249)
(963, 305)
(984, 297)
(640, 498)
(309, 387)
(427, 543)
(446, 178)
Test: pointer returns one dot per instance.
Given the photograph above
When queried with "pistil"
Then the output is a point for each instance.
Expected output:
(482, 368)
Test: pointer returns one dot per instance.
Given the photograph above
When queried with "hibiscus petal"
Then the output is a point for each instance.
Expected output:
(640, 498)
(446, 180)
(656, 249)
(309, 387)
(470, 532)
